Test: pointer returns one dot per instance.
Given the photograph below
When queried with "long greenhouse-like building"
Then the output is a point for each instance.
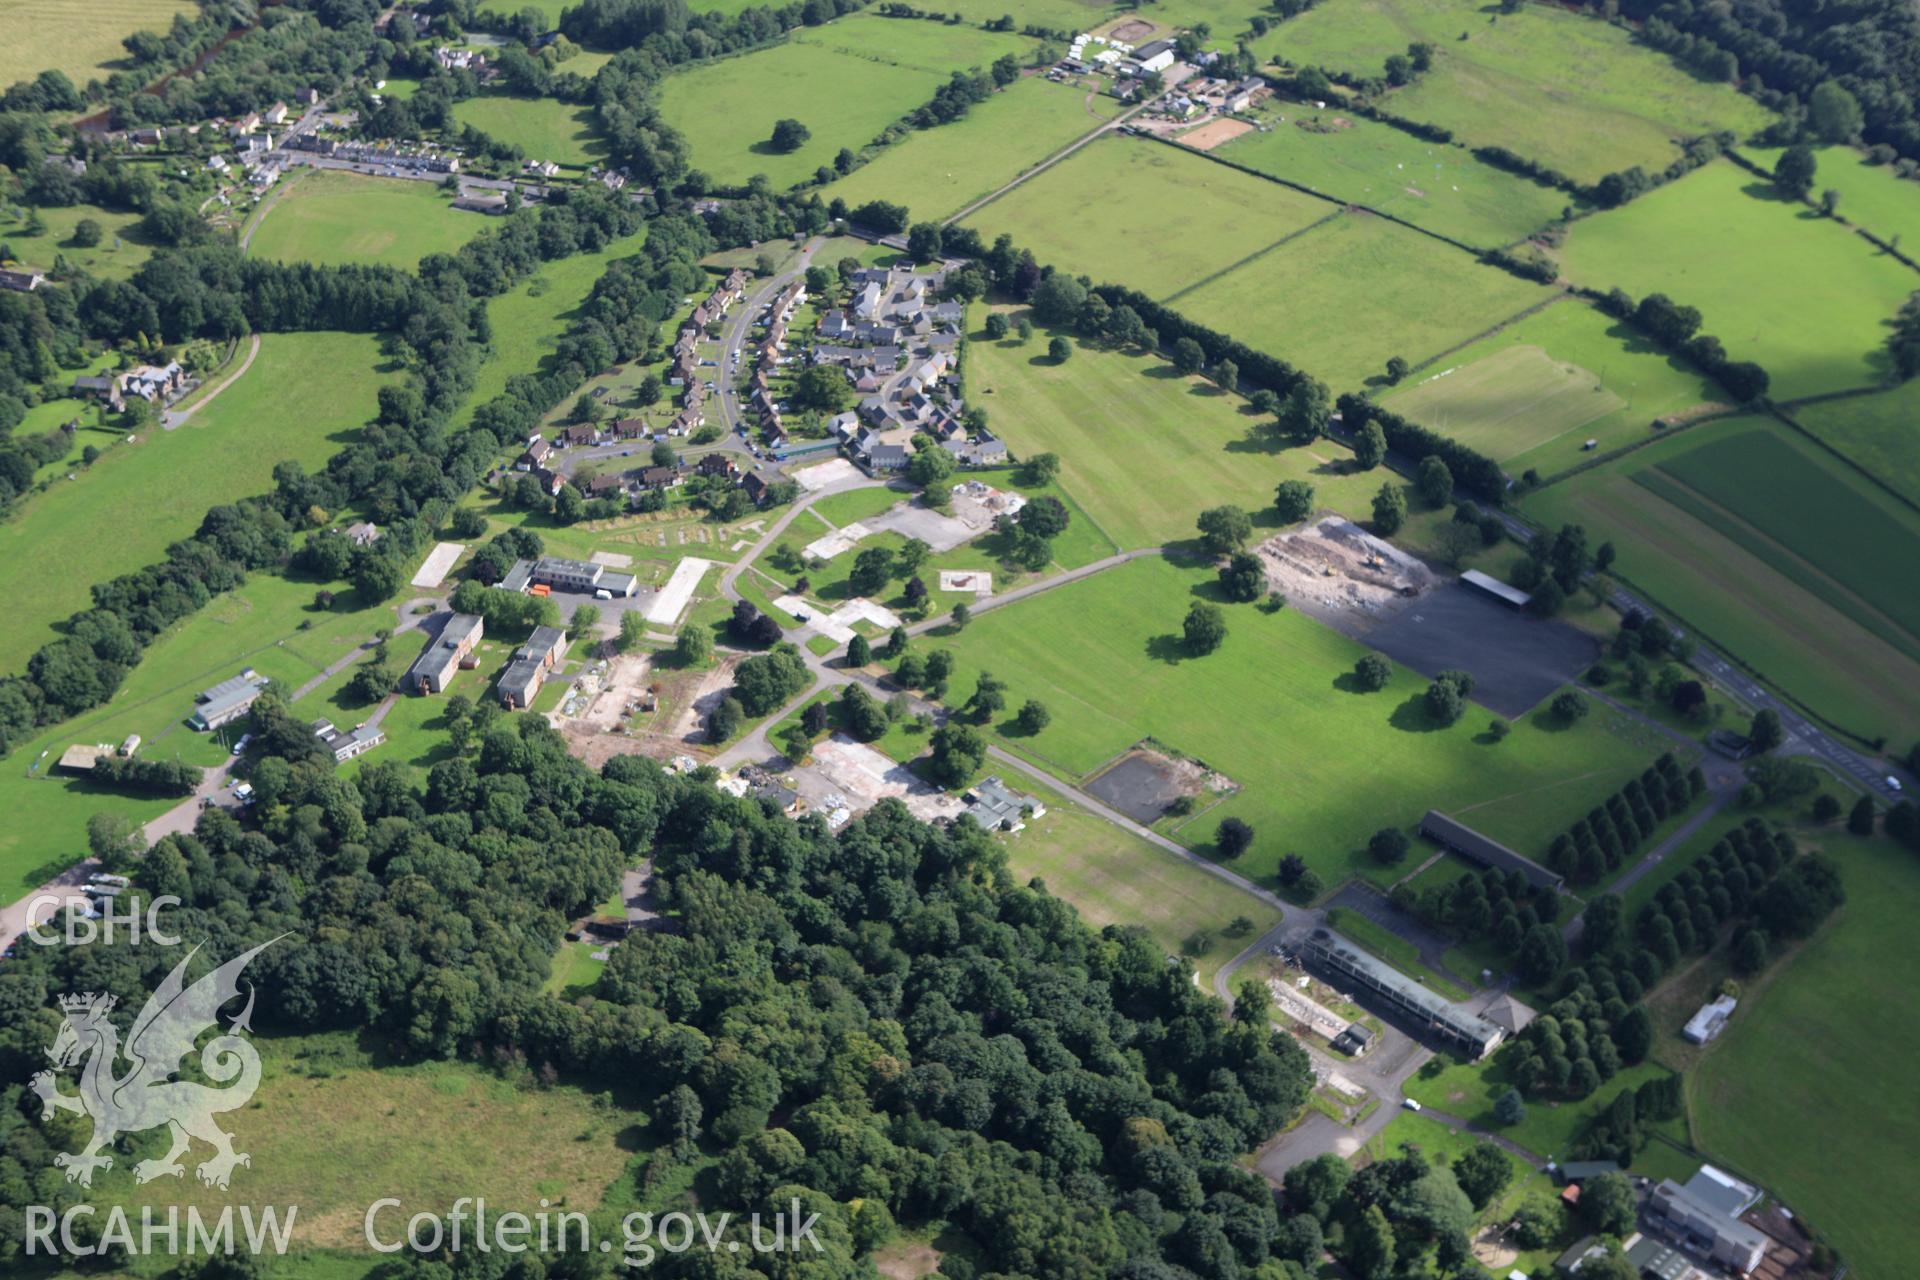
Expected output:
(1459, 1028)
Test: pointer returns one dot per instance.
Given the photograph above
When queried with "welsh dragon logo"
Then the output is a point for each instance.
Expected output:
(145, 1096)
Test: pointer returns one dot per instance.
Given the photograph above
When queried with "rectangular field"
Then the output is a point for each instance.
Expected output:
(117, 256)
(1319, 768)
(528, 319)
(1818, 1035)
(541, 127)
(1155, 217)
(1768, 613)
(1554, 86)
(936, 172)
(1395, 293)
(80, 37)
(335, 219)
(1533, 394)
(1774, 281)
(846, 82)
(1879, 432)
(1144, 449)
(1872, 196)
(1433, 185)
(126, 508)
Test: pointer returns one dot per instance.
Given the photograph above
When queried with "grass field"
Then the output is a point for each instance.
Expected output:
(1363, 270)
(1744, 592)
(157, 491)
(1880, 432)
(1872, 196)
(1552, 85)
(727, 108)
(1773, 280)
(1271, 710)
(939, 171)
(117, 256)
(528, 319)
(338, 218)
(1124, 425)
(79, 37)
(1436, 186)
(1810, 1057)
(1533, 394)
(1468, 1091)
(322, 1133)
(543, 128)
(1154, 217)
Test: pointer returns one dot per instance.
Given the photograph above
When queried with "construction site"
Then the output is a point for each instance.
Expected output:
(1341, 574)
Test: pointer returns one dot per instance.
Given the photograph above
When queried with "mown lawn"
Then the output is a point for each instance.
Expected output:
(1319, 768)
(938, 171)
(1773, 280)
(727, 108)
(1469, 1091)
(1553, 85)
(1796, 1092)
(1434, 185)
(335, 218)
(1156, 218)
(305, 396)
(1775, 614)
(79, 37)
(1395, 292)
(544, 128)
(1532, 395)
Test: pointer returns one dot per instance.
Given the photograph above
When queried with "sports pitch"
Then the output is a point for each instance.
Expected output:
(542, 128)
(330, 217)
(1395, 292)
(1554, 86)
(1775, 282)
(1533, 394)
(1155, 217)
(1761, 585)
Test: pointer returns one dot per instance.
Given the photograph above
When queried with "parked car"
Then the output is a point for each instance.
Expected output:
(1410, 1104)
(240, 747)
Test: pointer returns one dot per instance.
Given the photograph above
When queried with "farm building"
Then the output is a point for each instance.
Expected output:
(1459, 1028)
(1468, 843)
(1155, 56)
(1488, 585)
(227, 701)
(450, 651)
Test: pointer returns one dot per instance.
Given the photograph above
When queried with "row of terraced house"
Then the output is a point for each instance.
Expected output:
(767, 356)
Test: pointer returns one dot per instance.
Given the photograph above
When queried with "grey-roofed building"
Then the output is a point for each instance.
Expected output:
(888, 457)
(520, 683)
(1697, 1215)
(345, 744)
(227, 701)
(518, 577)
(998, 807)
(1488, 585)
(451, 650)
(618, 584)
(1656, 1260)
(568, 575)
(547, 645)
(1457, 1026)
(1581, 1170)
(1468, 843)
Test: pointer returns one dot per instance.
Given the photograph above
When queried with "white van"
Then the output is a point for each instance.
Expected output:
(603, 594)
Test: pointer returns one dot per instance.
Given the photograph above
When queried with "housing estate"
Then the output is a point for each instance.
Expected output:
(450, 651)
(227, 701)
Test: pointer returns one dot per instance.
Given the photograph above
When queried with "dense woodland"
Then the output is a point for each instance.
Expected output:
(879, 1016)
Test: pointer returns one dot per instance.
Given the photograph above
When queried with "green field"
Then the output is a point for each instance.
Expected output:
(1817, 514)
(1468, 1091)
(157, 491)
(117, 256)
(1740, 590)
(1156, 218)
(269, 624)
(1436, 186)
(542, 127)
(1533, 394)
(938, 171)
(528, 319)
(1270, 709)
(322, 1134)
(1872, 196)
(1126, 425)
(846, 82)
(79, 37)
(1552, 85)
(1879, 432)
(1774, 281)
(1365, 272)
(339, 218)
(1796, 1092)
